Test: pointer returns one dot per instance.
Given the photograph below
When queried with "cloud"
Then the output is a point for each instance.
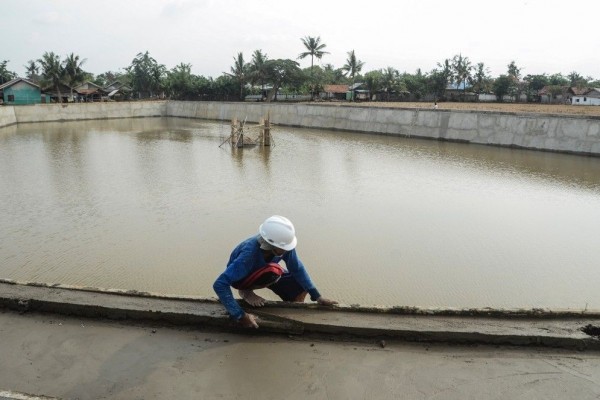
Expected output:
(180, 8)
(47, 18)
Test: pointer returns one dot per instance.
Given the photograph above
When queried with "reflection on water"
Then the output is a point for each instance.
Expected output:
(155, 205)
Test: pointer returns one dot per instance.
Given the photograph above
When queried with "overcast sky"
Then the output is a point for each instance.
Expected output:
(541, 36)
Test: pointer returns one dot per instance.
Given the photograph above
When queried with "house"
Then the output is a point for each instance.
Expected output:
(557, 94)
(53, 93)
(334, 92)
(591, 97)
(21, 91)
(358, 92)
(90, 92)
(118, 91)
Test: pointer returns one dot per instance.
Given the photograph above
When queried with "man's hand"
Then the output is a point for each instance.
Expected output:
(248, 321)
(326, 302)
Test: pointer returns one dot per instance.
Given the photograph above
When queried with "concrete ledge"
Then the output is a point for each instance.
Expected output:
(497, 327)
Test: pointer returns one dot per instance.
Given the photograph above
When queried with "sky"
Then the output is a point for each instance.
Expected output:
(541, 36)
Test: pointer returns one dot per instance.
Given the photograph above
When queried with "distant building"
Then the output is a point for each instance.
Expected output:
(334, 92)
(53, 93)
(358, 92)
(559, 94)
(591, 97)
(118, 91)
(90, 92)
(21, 91)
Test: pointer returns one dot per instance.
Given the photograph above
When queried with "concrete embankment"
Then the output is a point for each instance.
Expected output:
(521, 328)
(561, 133)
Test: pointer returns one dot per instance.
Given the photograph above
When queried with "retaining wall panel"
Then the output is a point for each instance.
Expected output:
(556, 133)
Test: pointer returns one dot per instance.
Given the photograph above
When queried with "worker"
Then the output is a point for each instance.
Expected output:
(254, 264)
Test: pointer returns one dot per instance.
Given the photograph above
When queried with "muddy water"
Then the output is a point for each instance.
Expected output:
(155, 205)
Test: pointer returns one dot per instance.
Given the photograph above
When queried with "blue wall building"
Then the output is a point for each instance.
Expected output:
(21, 91)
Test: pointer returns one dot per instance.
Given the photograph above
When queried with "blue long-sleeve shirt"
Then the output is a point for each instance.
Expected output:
(246, 258)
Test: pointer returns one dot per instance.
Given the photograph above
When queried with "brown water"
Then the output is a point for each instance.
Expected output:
(155, 205)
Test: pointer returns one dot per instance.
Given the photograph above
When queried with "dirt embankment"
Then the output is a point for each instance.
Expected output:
(496, 107)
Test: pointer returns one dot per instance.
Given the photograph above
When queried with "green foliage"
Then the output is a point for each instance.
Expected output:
(146, 75)
(536, 82)
(373, 80)
(180, 83)
(334, 76)
(53, 72)
(106, 78)
(353, 66)
(283, 72)
(257, 70)
(558, 80)
(314, 49)
(576, 80)
(462, 70)
(482, 82)
(5, 74)
(148, 78)
(239, 71)
(225, 87)
(502, 86)
(32, 71)
(514, 71)
(74, 74)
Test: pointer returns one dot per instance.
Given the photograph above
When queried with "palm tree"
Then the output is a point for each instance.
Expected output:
(315, 49)
(462, 70)
(53, 72)
(5, 74)
(390, 77)
(240, 71)
(257, 70)
(146, 74)
(32, 70)
(443, 77)
(353, 66)
(73, 71)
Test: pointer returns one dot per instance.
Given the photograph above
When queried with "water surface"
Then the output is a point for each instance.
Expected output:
(155, 205)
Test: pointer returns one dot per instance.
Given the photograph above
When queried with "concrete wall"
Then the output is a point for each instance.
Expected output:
(533, 131)
(7, 116)
(83, 111)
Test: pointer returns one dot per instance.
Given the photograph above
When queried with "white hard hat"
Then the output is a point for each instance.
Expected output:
(279, 231)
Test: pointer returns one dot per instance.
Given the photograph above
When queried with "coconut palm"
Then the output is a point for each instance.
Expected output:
(32, 70)
(315, 49)
(462, 70)
(389, 81)
(257, 70)
(53, 72)
(146, 74)
(353, 66)
(74, 74)
(239, 71)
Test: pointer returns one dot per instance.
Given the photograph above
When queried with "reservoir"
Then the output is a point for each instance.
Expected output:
(155, 205)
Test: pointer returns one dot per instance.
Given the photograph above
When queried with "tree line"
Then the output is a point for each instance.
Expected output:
(268, 77)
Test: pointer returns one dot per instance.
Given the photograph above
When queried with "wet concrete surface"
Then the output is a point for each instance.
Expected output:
(86, 358)
(561, 330)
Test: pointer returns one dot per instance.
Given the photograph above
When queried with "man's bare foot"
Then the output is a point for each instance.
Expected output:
(252, 298)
